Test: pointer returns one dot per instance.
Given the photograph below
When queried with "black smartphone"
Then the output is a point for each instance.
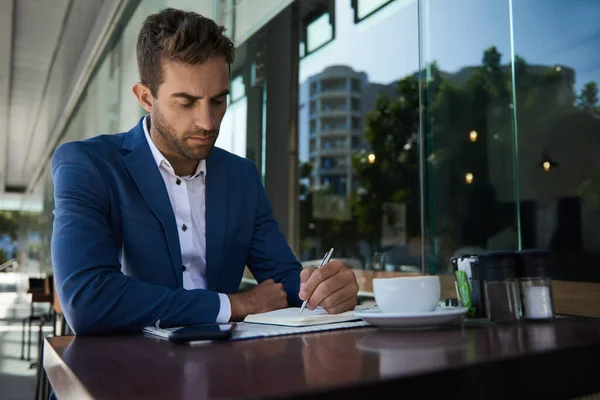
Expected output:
(194, 333)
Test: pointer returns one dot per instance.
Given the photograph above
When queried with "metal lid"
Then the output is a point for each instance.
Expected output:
(534, 263)
(498, 265)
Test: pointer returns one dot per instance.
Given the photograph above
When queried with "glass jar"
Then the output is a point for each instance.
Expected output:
(535, 284)
(501, 286)
(502, 300)
(536, 296)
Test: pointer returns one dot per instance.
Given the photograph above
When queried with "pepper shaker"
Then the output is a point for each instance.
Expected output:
(535, 285)
(501, 286)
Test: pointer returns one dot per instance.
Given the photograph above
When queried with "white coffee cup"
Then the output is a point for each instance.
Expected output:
(407, 294)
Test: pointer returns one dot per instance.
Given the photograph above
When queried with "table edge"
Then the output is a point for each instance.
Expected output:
(58, 372)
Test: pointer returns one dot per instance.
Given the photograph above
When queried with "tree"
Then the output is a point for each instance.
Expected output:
(341, 234)
(588, 99)
(9, 223)
(392, 175)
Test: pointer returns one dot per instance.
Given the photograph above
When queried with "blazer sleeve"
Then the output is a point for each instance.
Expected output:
(96, 297)
(270, 256)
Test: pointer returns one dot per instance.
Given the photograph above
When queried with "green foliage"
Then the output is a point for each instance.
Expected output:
(9, 223)
(588, 99)
(481, 99)
(392, 131)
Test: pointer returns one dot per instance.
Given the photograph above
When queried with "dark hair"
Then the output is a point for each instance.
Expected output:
(180, 36)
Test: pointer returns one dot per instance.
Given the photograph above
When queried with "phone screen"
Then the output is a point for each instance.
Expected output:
(202, 332)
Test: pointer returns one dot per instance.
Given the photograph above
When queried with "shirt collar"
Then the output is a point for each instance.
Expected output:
(161, 160)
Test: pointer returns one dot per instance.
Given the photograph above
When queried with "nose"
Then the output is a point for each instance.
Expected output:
(204, 118)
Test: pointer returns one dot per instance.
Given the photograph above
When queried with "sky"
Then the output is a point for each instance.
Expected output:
(456, 32)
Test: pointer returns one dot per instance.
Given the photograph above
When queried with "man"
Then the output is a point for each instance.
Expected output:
(155, 226)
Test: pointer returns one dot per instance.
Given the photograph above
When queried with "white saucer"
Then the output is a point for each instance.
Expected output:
(430, 319)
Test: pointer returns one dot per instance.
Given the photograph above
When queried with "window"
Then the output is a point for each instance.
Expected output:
(354, 70)
(365, 8)
(318, 31)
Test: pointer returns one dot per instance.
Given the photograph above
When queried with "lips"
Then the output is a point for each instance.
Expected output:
(202, 138)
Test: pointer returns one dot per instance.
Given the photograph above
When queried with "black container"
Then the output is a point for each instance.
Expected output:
(498, 265)
(475, 284)
(533, 263)
(477, 290)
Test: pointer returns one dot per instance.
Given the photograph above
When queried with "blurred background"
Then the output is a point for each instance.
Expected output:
(400, 132)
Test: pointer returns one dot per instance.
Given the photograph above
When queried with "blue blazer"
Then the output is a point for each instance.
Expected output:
(111, 206)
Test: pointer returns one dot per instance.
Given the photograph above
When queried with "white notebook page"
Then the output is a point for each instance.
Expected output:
(292, 317)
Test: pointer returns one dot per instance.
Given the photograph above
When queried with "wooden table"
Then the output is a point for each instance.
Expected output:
(478, 360)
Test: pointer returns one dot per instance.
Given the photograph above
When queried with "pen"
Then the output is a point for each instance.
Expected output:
(324, 261)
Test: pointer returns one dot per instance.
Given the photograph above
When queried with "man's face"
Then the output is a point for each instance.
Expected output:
(190, 106)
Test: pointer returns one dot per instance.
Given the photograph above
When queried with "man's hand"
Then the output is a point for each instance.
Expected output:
(333, 287)
(267, 296)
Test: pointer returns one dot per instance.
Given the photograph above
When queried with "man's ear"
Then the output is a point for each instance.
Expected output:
(144, 96)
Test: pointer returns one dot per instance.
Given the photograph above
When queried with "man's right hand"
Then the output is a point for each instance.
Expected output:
(267, 296)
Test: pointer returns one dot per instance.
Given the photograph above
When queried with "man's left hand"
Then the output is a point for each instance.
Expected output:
(333, 287)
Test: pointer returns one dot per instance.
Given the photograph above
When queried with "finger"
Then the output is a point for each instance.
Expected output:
(339, 296)
(347, 305)
(324, 290)
(283, 300)
(305, 274)
(318, 276)
(345, 277)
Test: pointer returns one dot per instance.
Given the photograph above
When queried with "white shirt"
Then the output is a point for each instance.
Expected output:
(191, 221)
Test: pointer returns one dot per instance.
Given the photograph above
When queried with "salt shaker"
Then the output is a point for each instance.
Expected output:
(535, 285)
(501, 289)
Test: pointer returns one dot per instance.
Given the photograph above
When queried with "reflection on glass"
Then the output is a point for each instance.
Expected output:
(469, 137)
(358, 132)
(557, 70)
(527, 173)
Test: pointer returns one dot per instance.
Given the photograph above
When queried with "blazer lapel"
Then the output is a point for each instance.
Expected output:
(142, 167)
(216, 217)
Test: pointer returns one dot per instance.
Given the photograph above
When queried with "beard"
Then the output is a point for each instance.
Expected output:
(177, 142)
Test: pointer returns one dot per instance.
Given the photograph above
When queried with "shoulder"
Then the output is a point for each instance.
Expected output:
(98, 147)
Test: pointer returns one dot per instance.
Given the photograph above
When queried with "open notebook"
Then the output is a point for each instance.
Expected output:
(292, 317)
(282, 322)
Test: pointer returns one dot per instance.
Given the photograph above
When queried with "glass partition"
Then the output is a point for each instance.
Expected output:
(358, 135)
(468, 128)
(556, 71)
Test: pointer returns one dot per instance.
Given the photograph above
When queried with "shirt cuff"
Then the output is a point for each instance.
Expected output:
(225, 310)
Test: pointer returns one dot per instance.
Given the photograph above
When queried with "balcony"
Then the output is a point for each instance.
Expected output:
(336, 170)
(336, 94)
(336, 112)
(335, 132)
(334, 151)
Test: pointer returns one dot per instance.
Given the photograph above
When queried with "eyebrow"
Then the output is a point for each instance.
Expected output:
(194, 98)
